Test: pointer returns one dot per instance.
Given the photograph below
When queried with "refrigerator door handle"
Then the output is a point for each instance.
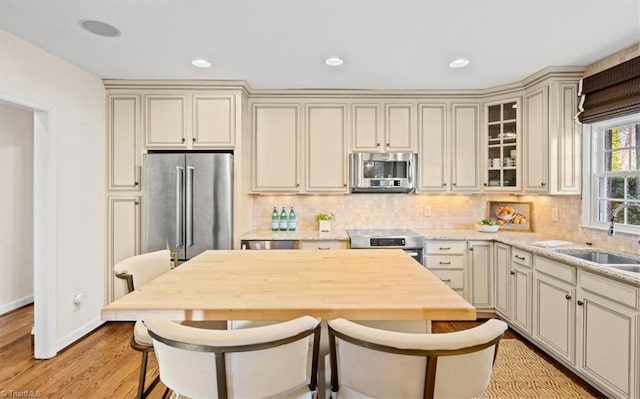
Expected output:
(179, 210)
(189, 213)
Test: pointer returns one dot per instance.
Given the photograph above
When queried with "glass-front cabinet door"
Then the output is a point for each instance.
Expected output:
(502, 160)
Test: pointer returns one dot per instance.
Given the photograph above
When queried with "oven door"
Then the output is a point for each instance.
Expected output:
(415, 254)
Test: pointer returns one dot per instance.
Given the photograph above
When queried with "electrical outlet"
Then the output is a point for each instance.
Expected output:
(555, 215)
(427, 210)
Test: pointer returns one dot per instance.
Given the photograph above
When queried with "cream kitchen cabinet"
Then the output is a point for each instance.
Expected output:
(433, 143)
(124, 150)
(465, 133)
(326, 148)
(502, 276)
(480, 273)
(520, 291)
(608, 321)
(276, 147)
(186, 121)
(554, 307)
(323, 245)
(552, 153)
(447, 260)
(383, 126)
(502, 146)
(123, 238)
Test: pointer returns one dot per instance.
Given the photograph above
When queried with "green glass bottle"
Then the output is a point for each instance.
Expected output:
(292, 220)
(275, 220)
(283, 220)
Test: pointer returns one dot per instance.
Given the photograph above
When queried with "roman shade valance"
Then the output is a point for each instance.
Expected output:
(611, 93)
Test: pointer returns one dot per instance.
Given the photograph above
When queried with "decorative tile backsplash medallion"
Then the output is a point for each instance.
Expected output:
(447, 212)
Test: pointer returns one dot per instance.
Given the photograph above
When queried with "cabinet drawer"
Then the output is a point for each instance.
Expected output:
(323, 244)
(444, 262)
(555, 269)
(610, 289)
(453, 278)
(521, 257)
(446, 247)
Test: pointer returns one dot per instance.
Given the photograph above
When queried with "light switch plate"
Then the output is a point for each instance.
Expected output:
(427, 210)
(555, 215)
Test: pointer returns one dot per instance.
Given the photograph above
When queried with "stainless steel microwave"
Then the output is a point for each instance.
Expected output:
(374, 172)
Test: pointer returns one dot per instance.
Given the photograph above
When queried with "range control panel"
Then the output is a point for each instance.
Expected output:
(387, 242)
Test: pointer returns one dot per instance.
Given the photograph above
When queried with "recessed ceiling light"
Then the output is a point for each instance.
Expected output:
(459, 63)
(334, 61)
(99, 28)
(201, 63)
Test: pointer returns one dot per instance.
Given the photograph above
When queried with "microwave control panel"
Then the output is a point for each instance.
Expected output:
(385, 183)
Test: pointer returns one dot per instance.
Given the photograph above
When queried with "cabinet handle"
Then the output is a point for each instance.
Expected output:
(580, 303)
(512, 272)
(444, 248)
(324, 248)
(183, 139)
(448, 280)
(520, 257)
(193, 139)
(567, 297)
(444, 263)
(543, 184)
(136, 183)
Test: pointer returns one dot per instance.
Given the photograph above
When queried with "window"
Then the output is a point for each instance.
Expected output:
(615, 174)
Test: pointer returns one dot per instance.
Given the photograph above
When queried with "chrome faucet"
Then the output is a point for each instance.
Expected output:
(612, 230)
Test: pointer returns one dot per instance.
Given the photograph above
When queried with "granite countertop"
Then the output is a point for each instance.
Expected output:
(524, 240)
(305, 235)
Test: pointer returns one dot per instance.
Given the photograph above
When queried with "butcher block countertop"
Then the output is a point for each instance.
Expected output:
(378, 284)
(310, 235)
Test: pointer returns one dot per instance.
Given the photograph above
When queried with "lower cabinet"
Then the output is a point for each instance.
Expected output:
(554, 308)
(502, 283)
(123, 239)
(480, 273)
(608, 321)
(520, 291)
(323, 244)
(446, 259)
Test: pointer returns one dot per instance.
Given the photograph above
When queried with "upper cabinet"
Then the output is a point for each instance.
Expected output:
(502, 144)
(552, 137)
(465, 148)
(190, 121)
(276, 141)
(433, 150)
(383, 126)
(326, 148)
(124, 150)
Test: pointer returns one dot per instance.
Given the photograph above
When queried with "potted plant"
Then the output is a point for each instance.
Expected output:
(324, 221)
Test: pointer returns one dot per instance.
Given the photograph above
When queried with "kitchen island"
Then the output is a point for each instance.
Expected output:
(375, 284)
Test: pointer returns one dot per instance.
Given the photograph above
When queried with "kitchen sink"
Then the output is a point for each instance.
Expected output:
(628, 268)
(605, 258)
(270, 244)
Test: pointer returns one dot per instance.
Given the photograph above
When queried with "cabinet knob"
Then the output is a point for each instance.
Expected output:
(183, 139)
(470, 248)
(454, 184)
(136, 183)
(377, 144)
(137, 203)
(345, 184)
(297, 184)
(543, 184)
(486, 184)
(580, 303)
(512, 272)
(193, 139)
(388, 145)
(444, 184)
(567, 297)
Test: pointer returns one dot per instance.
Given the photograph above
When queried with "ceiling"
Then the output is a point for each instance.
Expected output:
(280, 44)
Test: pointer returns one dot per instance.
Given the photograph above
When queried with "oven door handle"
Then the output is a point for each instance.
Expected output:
(413, 253)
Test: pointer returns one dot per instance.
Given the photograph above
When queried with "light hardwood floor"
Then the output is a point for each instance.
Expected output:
(102, 365)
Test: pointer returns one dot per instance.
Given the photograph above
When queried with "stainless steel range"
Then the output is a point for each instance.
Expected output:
(408, 240)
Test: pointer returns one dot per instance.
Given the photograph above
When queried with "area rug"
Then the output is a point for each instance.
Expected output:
(521, 373)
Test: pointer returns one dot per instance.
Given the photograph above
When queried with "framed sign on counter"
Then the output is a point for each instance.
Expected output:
(514, 216)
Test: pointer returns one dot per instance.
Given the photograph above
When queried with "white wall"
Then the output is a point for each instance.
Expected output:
(76, 101)
(16, 207)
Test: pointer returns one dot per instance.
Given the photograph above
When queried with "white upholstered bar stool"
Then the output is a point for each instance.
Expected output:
(373, 363)
(137, 271)
(272, 361)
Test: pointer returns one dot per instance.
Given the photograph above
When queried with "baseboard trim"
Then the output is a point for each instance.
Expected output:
(8, 307)
(78, 334)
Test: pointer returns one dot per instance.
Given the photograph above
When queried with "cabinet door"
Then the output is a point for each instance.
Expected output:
(465, 147)
(367, 127)
(502, 260)
(432, 137)
(123, 147)
(536, 133)
(554, 315)
(521, 297)
(165, 121)
(326, 155)
(123, 239)
(399, 127)
(214, 121)
(275, 136)
(481, 273)
(565, 175)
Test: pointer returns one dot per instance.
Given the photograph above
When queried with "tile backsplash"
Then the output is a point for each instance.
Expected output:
(447, 212)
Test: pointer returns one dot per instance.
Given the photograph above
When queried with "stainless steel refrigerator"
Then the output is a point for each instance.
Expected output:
(187, 202)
